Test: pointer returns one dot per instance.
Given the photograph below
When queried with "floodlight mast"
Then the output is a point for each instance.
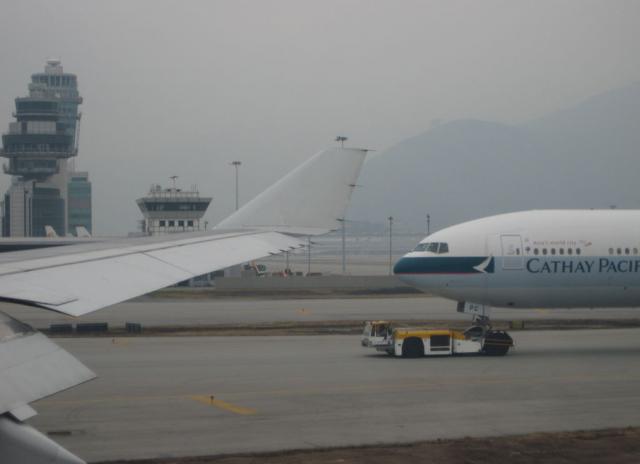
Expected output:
(342, 139)
(236, 164)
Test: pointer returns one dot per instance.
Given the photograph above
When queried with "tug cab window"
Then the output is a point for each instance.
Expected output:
(433, 247)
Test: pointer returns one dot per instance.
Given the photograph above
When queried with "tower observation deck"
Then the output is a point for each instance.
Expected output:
(172, 210)
(45, 128)
(38, 146)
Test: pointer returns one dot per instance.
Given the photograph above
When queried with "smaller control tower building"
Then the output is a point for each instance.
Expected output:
(172, 210)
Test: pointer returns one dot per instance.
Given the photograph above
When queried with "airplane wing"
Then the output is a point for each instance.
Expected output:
(76, 280)
(79, 279)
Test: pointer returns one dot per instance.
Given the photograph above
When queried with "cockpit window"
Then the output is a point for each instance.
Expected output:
(433, 247)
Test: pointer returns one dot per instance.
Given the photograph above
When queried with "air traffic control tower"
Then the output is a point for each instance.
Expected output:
(38, 146)
(172, 210)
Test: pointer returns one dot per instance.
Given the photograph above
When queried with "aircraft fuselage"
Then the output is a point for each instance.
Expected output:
(533, 259)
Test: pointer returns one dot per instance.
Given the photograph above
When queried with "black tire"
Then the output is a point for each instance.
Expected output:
(497, 343)
(412, 348)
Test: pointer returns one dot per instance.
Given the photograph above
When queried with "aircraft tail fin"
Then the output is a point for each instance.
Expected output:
(82, 232)
(50, 232)
(310, 200)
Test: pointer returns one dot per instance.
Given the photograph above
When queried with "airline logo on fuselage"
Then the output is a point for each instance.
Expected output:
(582, 266)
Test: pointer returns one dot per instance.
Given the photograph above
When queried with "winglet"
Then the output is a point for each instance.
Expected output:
(307, 201)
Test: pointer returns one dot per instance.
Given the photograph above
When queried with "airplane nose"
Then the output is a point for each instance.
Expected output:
(403, 266)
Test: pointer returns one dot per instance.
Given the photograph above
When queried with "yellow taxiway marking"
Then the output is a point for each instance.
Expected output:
(212, 401)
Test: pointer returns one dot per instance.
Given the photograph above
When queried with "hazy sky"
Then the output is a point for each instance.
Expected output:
(185, 87)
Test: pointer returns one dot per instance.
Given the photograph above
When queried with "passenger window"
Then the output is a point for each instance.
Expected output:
(553, 251)
(544, 251)
(635, 251)
(569, 251)
(535, 251)
(444, 248)
(619, 250)
(561, 251)
(626, 251)
(528, 249)
(610, 251)
(577, 251)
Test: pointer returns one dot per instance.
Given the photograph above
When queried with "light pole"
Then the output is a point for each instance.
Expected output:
(428, 224)
(308, 255)
(24, 201)
(236, 164)
(342, 139)
(390, 245)
(344, 244)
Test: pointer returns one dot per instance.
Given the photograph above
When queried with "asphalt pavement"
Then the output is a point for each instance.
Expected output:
(177, 396)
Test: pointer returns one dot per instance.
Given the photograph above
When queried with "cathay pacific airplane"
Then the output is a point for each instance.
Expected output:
(533, 259)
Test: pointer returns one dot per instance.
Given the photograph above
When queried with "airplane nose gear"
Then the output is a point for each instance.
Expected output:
(495, 342)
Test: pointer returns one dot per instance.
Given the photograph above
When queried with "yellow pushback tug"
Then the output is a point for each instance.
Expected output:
(416, 342)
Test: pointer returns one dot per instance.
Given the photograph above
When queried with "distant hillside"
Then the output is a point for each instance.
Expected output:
(582, 157)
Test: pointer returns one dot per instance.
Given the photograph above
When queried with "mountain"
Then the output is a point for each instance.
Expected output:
(586, 156)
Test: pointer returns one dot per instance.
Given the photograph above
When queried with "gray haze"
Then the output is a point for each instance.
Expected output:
(184, 87)
(586, 156)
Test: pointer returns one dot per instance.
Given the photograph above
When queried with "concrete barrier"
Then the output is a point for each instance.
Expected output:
(61, 328)
(133, 327)
(92, 327)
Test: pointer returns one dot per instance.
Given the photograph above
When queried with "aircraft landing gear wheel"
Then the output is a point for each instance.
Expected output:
(497, 343)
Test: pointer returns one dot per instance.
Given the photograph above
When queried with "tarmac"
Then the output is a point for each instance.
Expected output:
(178, 396)
(158, 312)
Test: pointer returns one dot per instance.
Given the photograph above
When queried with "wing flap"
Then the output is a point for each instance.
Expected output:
(22, 413)
(33, 367)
